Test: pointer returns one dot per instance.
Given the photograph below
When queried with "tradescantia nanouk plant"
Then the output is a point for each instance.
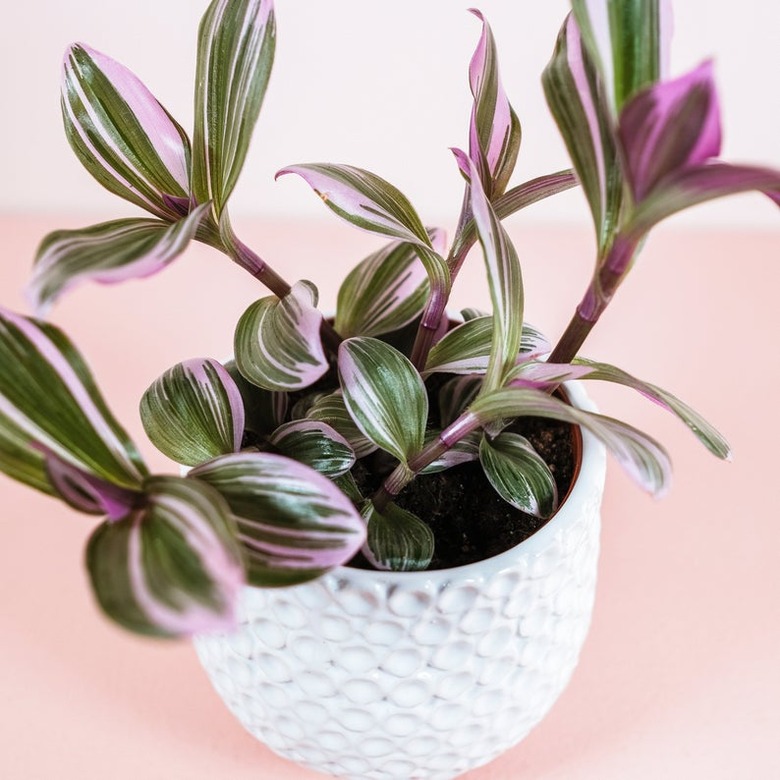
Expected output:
(272, 438)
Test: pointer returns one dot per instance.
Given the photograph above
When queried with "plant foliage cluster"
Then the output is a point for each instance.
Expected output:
(270, 498)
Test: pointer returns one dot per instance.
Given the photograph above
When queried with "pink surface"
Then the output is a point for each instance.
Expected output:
(680, 676)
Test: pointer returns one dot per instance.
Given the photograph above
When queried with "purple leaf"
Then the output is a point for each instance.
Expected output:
(670, 127)
(494, 135)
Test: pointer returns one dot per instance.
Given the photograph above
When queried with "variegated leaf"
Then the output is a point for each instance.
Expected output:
(194, 412)
(364, 199)
(21, 461)
(332, 410)
(629, 41)
(397, 540)
(466, 348)
(578, 104)
(703, 431)
(122, 134)
(277, 341)
(643, 458)
(385, 291)
(293, 523)
(494, 136)
(505, 281)
(465, 450)
(172, 567)
(236, 43)
(384, 395)
(315, 444)
(518, 474)
(108, 253)
(264, 410)
(48, 399)
(669, 127)
(455, 396)
(544, 376)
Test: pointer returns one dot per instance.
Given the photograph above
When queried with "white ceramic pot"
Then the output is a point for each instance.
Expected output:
(365, 674)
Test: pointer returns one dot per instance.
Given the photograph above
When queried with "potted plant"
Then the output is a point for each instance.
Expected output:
(352, 623)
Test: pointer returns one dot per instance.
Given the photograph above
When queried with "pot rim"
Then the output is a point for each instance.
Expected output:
(591, 470)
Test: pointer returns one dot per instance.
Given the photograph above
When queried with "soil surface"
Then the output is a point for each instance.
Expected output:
(470, 521)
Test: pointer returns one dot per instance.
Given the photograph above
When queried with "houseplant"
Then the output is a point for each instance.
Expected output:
(61, 442)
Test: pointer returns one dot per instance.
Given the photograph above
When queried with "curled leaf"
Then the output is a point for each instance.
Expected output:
(194, 412)
(397, 540)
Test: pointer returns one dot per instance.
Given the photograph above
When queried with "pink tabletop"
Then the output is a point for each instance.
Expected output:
(680, 676)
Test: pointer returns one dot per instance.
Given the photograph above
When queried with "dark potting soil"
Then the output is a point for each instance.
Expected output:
(469, 520)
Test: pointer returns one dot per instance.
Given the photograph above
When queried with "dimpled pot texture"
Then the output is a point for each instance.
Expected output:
(365, 674)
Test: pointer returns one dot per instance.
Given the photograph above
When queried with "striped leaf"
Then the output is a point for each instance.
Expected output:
(48, 399)
(518, 474)
(315, 444)
(122, 135)
(108, 253)
(703, 431)
(331, 409)
(171, 568)
(629, 41)
(465, 450)
(277, 341)
(384, 395)
(236, 44)
(643, 458)
(466, 348)
(194, 412)
(578, 104)
(385, 291)
(505, 281)
(363, 199)
(293, 523)
(669, 127)
(19, 460)
(264, 410)
(494, 135)
(397, 540)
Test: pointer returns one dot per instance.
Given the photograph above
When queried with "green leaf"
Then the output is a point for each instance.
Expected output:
(576, 100)
(384, 394)
(236, 43)
(466, 348)
(384, 292)
(642, 457)
(264, 410)
(704, 432)
(19, 460)
(122, 135)
(315, 444)
(331, 409)
(629, 40)
(171, 568)
(108, 253)
(194, 412)
(277, 341)
(48, 399)
(364, 199)
(293, 523)
(518, 473)
(397, 539)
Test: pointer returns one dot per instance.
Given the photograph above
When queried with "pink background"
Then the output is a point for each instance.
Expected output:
(680, 676)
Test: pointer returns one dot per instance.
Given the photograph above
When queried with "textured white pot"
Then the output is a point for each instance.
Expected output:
(367, 675)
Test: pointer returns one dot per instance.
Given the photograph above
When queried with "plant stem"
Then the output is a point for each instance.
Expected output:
(404, 473)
